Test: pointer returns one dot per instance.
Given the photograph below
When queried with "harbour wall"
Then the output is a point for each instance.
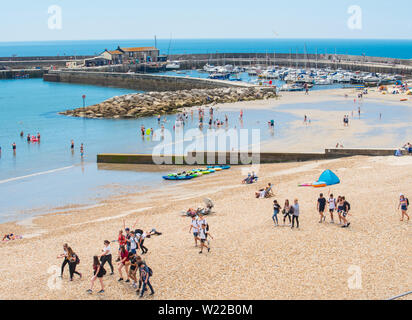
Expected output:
(229, 157)
(21, 73)
(137, 81)
(346, 62)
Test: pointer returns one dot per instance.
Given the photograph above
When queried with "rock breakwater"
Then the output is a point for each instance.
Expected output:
(153, 103)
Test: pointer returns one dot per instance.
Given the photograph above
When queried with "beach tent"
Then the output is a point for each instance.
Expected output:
(329, 178)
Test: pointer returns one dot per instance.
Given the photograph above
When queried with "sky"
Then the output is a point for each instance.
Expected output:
(29, 20)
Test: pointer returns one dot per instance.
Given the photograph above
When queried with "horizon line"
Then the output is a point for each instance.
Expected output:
(229, 38)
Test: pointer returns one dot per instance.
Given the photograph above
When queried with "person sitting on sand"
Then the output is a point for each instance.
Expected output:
(403, 205)
(265, 192)
(247, 179)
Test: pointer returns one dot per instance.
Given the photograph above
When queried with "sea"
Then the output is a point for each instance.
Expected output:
(400, 49)
(46, 175)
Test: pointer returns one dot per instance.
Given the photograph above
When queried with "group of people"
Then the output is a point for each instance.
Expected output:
(340, 205)
(290, 212)
(127, 259)
(200, 229)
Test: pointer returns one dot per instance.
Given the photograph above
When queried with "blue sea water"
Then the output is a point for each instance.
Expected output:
(401, 49)
(49, 174)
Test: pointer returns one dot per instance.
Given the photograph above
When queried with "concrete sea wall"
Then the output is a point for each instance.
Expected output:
(216, 158)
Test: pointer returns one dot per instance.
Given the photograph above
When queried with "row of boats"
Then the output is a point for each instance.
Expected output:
(298, 76)
(195, 173)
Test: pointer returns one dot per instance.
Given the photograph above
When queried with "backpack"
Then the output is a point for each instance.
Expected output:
(103, 270)
(407, 201)
(77, 259)
(149, 271)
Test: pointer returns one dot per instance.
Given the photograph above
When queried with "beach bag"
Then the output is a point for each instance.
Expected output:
(103, 271)
(149, 271)
(407, 202)
(77, 259)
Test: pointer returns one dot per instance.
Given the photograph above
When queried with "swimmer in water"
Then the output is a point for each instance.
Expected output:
(21, 134)
(81, 150)
(28, 137)
(14, 148)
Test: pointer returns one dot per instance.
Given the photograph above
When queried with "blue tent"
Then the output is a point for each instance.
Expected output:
(329, 178)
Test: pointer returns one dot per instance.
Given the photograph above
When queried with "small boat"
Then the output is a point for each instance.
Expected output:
(175, 178)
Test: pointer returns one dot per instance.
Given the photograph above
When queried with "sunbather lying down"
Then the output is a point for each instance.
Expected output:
(203, 211)
(11, 236)
(265, 193)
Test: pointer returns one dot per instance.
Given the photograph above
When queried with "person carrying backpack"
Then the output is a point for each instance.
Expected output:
(145, 274)
(73, 262)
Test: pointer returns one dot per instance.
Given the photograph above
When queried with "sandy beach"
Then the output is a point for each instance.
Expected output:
(250, 258)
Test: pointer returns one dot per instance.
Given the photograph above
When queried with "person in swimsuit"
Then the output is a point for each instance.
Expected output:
(81, 150)
(98, 273)
(403, 205)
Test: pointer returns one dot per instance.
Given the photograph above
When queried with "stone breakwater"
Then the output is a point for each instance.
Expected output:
(153, 103)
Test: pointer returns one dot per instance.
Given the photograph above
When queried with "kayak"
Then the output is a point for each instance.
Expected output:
(223, 167)
(177, 177)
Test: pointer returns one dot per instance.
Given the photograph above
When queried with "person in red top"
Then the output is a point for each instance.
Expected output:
(124, 263)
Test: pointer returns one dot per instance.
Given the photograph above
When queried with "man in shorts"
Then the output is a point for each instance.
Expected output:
(321, 207)
(345, 213)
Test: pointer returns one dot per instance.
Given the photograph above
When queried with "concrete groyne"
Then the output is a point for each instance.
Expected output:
(203, 158)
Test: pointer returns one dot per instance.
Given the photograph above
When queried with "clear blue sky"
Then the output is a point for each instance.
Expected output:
(27, 20)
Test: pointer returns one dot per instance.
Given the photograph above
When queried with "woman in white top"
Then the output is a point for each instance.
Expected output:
(106, 256)
(332, 206)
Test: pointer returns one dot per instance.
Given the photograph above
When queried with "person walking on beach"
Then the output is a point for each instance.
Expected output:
(287, 210)
(65, 261)
(345, 213)
(142, 237)
(194, 227)
(145, 274)
(332, 206)
(106, 256)
(73, 262)
(133, 269)
(124, 263)
(98, 273)
(321, 207)
(340, 209)
(295, 214)
(203, 234)
(276, 210)
(403, 205)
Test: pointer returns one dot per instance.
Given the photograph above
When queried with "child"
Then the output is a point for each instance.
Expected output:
(203, 234)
